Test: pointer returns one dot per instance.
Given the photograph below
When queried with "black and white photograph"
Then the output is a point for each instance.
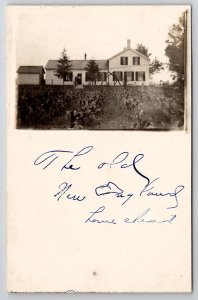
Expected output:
(109, 68)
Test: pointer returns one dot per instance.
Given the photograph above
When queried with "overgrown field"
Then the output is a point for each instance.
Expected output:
(102, 107)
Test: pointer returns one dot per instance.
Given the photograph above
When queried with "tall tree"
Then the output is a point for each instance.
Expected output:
(155, 65)
(143, 49)
(63, 70)
(92, 70)
(175, 49)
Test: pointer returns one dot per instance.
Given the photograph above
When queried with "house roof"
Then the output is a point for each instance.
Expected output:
(77, 64)
(30, 70)
(137, 52)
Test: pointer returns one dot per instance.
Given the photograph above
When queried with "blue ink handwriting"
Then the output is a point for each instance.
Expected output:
(64, 187)
(99, 210)
(112, 188)
(140, 219)
(147, 190)
(47, 158)
(120, 158)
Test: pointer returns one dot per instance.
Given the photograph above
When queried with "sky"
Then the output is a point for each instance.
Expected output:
(99, 31)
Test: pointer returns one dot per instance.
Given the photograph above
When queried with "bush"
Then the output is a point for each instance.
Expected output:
(100, 107)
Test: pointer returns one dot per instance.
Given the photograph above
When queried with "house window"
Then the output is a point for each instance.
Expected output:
(124, 60)
(89, 77)
(129, 76)
(117, 76)
(102, 76)
(140, 76)
(136, 60)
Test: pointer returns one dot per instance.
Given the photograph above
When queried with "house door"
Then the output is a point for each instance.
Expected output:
(79, 78)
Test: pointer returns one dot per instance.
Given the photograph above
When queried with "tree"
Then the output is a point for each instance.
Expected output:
(63, 70)
(142, 49)
(92, 70)
(175, 49)
(155, 65)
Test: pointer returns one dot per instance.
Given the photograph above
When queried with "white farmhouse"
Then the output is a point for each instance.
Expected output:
(78, 70)
(127, 67)
(30, 75)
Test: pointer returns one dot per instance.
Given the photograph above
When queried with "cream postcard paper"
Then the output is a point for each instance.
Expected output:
(98, 149)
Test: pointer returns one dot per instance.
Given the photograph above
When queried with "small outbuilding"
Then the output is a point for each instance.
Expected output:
(31, 75)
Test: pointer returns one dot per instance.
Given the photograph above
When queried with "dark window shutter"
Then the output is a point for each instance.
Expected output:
(113, 76)
(120, 75)
(132, 76)
(105, 76)
(133, 60)
(126, 60)
(125, 76)
(136, 75)
(143, 76)
(138, 60)
(121, 60)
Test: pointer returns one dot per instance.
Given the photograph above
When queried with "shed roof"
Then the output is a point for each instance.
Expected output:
(31, 70)
(77, 64)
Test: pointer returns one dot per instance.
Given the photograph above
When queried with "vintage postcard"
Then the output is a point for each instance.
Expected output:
(99, 148)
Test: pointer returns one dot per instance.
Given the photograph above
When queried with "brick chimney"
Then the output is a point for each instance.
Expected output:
(85, 56)
(128, 44)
